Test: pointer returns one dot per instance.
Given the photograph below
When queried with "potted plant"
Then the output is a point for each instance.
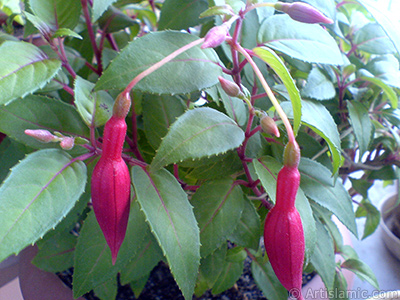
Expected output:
(199, 134)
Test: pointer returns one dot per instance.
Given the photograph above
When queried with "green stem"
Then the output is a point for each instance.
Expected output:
(269, 92)
(162, 62)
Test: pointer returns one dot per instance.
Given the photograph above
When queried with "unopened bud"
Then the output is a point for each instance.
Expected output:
(303, 12)
(268, 125)
(215, 36)
(291, 154)
(42, 135)
(67, 143)
(230, 87)
(122, 105)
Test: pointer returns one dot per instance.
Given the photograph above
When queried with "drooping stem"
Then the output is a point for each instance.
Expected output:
(269, 92)
(162, 62)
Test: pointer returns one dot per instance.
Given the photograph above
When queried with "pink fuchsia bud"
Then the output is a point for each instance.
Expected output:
(229, 87)
(67, 143)
(215, 36)
(268, 125)
(42, 135)
(303, 12)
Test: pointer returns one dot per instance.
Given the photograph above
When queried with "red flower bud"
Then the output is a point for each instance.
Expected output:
(42, 135)
(111, 184)
(303, 12)
(283, 233)
(215, 36)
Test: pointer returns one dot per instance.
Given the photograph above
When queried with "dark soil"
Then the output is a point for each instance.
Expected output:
(161, 286)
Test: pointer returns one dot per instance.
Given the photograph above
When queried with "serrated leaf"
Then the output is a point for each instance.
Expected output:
(35, 197)
(217, 206)
(372, 39)
(273, 60)
(11, 152)
(362, 125)
(323, 258)
(315, 170)
(318, 86)
(159, 112)
(230, 273)
(386, 68)
(172, 221)
(335, 198)
(99, 7)
(107, 290)
(57, 13)
(198, 133)
(217, 10)
(24, 68)
(362, 270)
(194, 70)
(248, 231)
(181, 14)
(211, 266)
(307, 42)
(88, 103)
(38, 112)
(318, 118)
(372, 214)
(92, 261)
(267, 169)
(267, 281)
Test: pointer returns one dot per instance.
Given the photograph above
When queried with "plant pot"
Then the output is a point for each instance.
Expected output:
(21, 280)
(390, 215)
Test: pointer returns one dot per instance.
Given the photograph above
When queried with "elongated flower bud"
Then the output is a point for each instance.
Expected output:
(42, 135)
(303, 12)
(230, 87)
(111, 184)
(283, 233)
(268, 125)
(215, 36)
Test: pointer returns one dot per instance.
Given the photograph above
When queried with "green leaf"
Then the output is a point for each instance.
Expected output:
(226, 165)
(211, 266)
(339, 291)
(57, 13)
(36, 196)
(172, 222)
(318, 118)
(307, 42)
(334, 198)
(38, 112)
(372, 214)
(248, 232)
(362, 125)
(11, 152)
(361, 186)
(159, 112)
(323, 257)
(194, 70)
(143, 262)
(56, 251)
(316, 171)
(181, 14)
(63, 32)
(362, 270)
(372, 39)
(267, 169)
(99, 7)
(114, 20)
(273, 60)
(218, 207)
(266, 280)
(92, 261)
(230, 273)
(108, 289)
(318, 86)
(24, 68)
(88, 103)
(198, 133)
(217, 10)
(390, 93)
(386, 68)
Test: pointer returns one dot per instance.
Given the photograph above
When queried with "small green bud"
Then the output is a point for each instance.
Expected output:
(268, 125)
(230, 87)
(122, 105)
(291, 155)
